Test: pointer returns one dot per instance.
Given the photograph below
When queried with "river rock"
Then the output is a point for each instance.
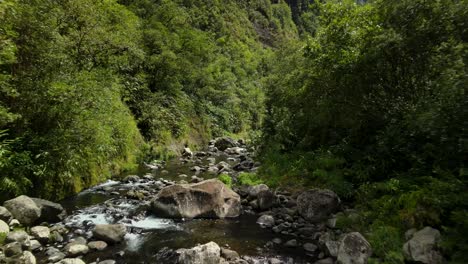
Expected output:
(19, 236)
(255, 190)
(72, 261)
(329, 245)
(266, 221)
(235, 150)
(24, 209)
(354, 249)
(97, 245)
(209, 253)
(50, 212)
(28, 258)
(207, 199)
(423, 247)
(34, 245)
(224, 143)
(40, 233)
(229, 254)
(309, 247)
(13, 249)
(291, 243)
(76, 249)
(55, 257)
(4, 228)
(5, 215)
(110, 233)
(317, 204)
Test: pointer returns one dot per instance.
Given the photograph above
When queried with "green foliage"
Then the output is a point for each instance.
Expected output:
(226, 179)
(387, 243)
(2, 238)
(373, 105)
(250, 179)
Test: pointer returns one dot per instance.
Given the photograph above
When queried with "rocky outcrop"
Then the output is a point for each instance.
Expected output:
(423, 246)
(317, 205)
(209, 253)
(24, 209)
(354, 249)
(110, 233)
(207, 199)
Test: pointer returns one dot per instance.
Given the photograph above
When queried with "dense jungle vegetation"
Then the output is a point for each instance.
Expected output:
(367, 98)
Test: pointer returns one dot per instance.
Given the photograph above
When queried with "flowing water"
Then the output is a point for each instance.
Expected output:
(149, 233)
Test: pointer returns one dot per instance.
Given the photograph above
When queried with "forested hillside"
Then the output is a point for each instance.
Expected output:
(88, 87)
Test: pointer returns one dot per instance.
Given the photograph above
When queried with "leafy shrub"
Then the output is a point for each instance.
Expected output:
(226, 179)
(250, 179)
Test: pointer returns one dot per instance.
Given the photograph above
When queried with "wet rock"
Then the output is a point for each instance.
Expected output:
(5, 215)
(13, 249)
(50, 212)
(229, 254)
(317, 204)
(291, 243)
(224, 143)
(4, 228)
(354, 249)
(19, 236)
(24, 209)
(110, 233)
(207, 199)
(97, 245)
(423, 247)
(72, 261)
(309, 247)
(209, 253)
(277, 241)
(266, 221)
(223, 166)
(41, 233)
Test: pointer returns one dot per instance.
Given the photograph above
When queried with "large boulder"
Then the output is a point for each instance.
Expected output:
(24, 209)
(110, 233)
(207, 199)
(354, 249)
(423, 247)
(50, 211)
(209, 253)
(317, 204)
(224, 143)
